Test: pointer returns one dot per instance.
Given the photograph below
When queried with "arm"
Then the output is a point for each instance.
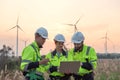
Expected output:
(90, 64)
(36, 64)
(93, 58)
(29, 61)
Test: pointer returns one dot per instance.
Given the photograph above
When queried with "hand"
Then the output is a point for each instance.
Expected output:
(53, 69)
(67, 72)
(43, 61)
(65, 48)
(87, 66)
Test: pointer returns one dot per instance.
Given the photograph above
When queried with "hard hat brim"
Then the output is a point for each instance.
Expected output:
(44, 37)
(59, 40)
(76, 41)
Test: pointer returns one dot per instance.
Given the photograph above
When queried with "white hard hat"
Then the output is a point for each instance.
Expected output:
(59, 38)
(77, 37)
(42, 32)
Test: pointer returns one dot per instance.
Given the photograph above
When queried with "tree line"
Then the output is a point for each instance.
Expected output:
(9, 61)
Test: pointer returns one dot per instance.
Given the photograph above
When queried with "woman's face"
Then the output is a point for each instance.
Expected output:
(59, 45)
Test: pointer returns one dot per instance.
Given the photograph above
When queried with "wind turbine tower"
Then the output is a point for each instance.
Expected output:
(25, 42)
(18, 27)
(106, 46)
(106, 43)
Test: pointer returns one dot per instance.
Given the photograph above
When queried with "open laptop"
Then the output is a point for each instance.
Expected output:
(69, 66)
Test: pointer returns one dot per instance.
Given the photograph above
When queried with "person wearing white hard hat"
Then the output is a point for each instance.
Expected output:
(86, 55)
(32, 65)
(55, 57)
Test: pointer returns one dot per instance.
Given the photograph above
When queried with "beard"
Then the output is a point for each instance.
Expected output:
(76, 49)
(40, 46)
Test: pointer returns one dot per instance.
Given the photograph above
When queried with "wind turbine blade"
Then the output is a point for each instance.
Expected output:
(12, 28)
(102, 38)
(77, 20)
(70, 24)
(20, 28)
(17, 20)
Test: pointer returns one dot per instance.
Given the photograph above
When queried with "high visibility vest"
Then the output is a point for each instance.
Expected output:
(87, 53)
(55, 60)
(31, 54)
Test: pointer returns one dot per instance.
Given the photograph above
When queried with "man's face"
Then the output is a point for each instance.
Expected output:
(40, 40)
(78, 46)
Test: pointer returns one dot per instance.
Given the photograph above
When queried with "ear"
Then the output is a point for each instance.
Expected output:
(36, 36)
(55, 41)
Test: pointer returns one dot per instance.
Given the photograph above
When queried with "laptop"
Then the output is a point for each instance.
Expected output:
(69, 67)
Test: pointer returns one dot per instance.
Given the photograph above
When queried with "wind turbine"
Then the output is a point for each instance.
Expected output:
(75, 25)
(18, 27)
(106, 42)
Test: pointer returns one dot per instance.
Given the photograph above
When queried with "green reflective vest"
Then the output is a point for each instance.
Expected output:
(55, 61)
(30, 54)
(87, 53)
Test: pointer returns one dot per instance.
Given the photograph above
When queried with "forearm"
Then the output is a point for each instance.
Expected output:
(33, 65)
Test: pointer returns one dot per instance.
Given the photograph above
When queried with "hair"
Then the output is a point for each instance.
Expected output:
(55, 41)
(36, 35)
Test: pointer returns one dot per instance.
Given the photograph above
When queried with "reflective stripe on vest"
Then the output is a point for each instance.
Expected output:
(26, 66)
(37, 59)
(93, 61)
(87, 52)
(88, 49)
(26, 61)
(36, 52)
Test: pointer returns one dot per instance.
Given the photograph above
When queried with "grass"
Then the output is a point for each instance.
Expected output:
(108, 69)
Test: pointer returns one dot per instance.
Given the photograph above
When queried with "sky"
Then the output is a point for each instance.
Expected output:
(98, 17)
